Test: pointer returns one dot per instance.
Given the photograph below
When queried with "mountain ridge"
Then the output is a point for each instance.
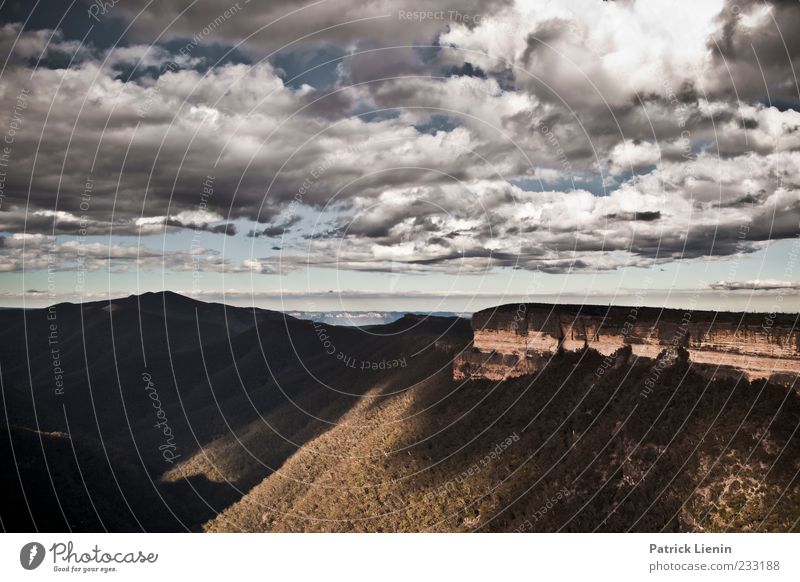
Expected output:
(283, 424)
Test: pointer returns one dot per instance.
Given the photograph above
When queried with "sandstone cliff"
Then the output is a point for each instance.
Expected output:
(519, 339)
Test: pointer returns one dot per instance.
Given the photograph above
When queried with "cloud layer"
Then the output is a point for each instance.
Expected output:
(544, 136)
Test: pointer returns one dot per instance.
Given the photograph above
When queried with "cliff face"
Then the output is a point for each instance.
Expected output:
(516, 340)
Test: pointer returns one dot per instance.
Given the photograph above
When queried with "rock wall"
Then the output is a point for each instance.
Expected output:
(516, 340)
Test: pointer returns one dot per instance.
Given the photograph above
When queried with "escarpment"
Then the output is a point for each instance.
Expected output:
(519, 339)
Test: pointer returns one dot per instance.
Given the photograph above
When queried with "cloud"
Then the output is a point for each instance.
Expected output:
(270, 26)
(757, 285)
(192, 219)
(598, 135)
(29, 252)
(755, 51)
(276, 229)
(19, 45)
(630, 155)
(595, 54)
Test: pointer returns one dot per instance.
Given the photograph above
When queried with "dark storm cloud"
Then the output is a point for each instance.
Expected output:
(269, 26)
(500, 258)
(757, 49)
(276, 229)
(646, 216)
(228, 228)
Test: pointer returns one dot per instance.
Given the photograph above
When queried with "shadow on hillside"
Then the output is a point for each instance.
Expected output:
(233, 391)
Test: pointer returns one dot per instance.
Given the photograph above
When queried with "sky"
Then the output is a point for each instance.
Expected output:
(393, 155)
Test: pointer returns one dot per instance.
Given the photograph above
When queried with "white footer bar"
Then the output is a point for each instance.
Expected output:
(400, 557)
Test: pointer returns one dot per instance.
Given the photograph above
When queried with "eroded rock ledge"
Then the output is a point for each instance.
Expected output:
(518, 339)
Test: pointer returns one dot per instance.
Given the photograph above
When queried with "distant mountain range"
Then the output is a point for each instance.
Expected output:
(161, 413)
(364, 318)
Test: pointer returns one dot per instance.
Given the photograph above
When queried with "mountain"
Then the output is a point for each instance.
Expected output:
(147, 385)
(177, 415)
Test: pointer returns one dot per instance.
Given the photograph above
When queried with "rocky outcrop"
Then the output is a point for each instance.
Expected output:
(516, 340)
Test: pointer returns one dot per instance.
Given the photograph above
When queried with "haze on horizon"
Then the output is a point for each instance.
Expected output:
(350, 156)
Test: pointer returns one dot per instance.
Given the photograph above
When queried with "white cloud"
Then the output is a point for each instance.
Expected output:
(630, 155)
(757, 285)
